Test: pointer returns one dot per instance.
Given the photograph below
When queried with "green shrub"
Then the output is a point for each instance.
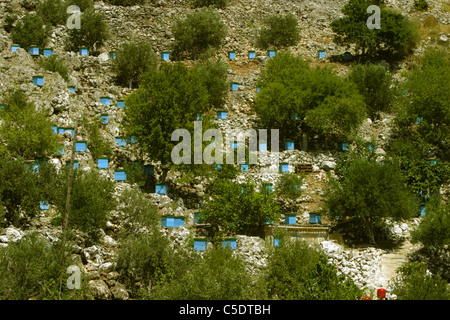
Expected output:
(375, 85)
(30, 30)
(93, 33)
(92, 200)
(97, 144)
(220, 4)
(54, 64)
(25, 130)
(52, 12)
(132, 61)
(420, 5)
(280, 31)
(434, 228)
(34, 269)
(126, 2)
(288, 186)
(9, 22)
(197, 33)
(296, 271)
(82, 4)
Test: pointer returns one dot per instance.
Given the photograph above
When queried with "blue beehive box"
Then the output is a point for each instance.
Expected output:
(179, 221)
(2, 106)
(234, 145)
(199, 116)
(80, 146)
(120, 175)
(276, 242)
(271, 53)
(44, 205)
(200, 244)
(218, 167)
(105, 100)
(102, 163)
(315, 218)
(38, 80)
(344, 146)
(104, 119)
(113, 55)
(290, 218)
(371, 147)
(197, 217)
(120, 104)
(284, 167)
(14, 47)
(33, 166)
(34, 50)
(75, 164)
(55, 129)
(289, 145)
(234, 86)
(221, 115)
(251, 54)
(321, 54)
(229, 242)
(231, 55)
(258, 89)
(422, 210)
(71, 88)
(67, 129)
(121, 142)
(47, 52)
(160, 188)
(419, 119)
(432, 161)
(83, 51)
(263, 146)
(244, 167)
(165, 56)
(294, 116)
(149, 170)
(168, 221)
(268, 187)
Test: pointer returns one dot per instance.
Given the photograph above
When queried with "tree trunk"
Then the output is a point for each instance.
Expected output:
(369, 229)
(304, 141)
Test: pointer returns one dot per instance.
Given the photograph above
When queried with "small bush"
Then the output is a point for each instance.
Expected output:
(197, 33)
(420, 5)
(132, 61)
(126, 2)
(93, 33)
(97, 144)
(52, 12)
(288, 186)
(9, 22)
(55, 64)
(82, 4)
(33, 268)
(280, 31)
(220, 4)
(30, 30)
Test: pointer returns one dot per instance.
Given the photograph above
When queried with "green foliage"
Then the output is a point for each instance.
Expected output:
(235, 208)
(217, 275)
(219, 4)
(374, 84)
(132, 61)
(97, 144)
(428, 93)
(168, 99)
(413, 283)
(33, 268)
(93, 33)
(280, 31)
(213, 75)
(92, 200)
(126, 2)
(395, 40)
(434, 227)
(288, 186)
(52, 12)
(55, 64)
(197, 33)
(369, 192)
(325, 103)
(9, 22)
(30, 30)
(138, 212)
(148, 259)
(420, 5)
(26, 131)
(296, 271)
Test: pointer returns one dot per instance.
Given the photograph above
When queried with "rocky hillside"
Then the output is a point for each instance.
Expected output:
(92, 78)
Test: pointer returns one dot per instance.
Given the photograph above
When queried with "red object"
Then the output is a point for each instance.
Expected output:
(365, 298)
(381, 293)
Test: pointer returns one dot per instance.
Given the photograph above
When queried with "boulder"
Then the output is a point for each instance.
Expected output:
(119, 292)
(99, 289)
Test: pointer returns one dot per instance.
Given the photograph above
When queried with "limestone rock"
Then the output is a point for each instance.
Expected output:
(99, 289)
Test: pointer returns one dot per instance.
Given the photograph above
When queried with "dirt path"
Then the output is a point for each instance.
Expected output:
(391, 261)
